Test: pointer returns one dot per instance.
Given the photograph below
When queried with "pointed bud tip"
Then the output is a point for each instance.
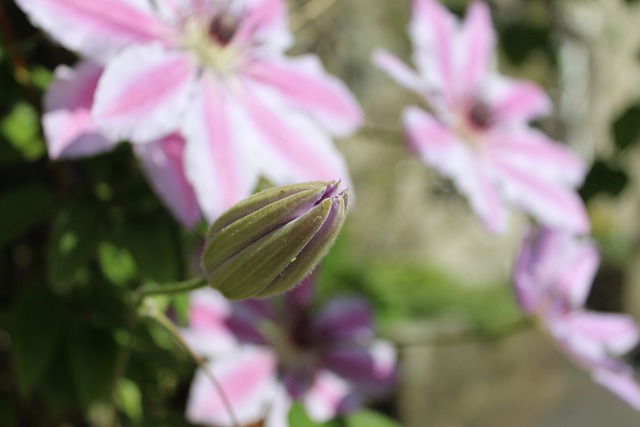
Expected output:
(270, 241)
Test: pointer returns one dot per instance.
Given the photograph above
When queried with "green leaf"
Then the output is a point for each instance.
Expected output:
(74, 237)
(154, 246)
(298, 417)
(21, 128)
(92, 359)
(117, 264)
(22, 209)
(368, 418)
(603, 178)
(36, 323)
(626, 128)
(129, 399)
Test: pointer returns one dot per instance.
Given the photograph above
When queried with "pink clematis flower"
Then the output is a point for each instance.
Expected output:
(213, 71)
(71, 133)
(552, 278)
(479, 135)
(266, 353)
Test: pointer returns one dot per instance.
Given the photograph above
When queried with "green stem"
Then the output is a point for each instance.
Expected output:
(517, 326)
(168, 288)
(151, 311)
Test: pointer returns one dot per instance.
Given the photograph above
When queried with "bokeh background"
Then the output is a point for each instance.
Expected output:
(77, 236)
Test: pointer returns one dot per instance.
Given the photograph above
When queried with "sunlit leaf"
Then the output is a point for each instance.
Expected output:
(21, 128)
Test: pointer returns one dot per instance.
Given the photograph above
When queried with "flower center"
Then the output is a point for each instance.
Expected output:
(210, 39)
(471, 123)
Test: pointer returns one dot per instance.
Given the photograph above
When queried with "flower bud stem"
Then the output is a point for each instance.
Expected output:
(168, 289)
(151, 311)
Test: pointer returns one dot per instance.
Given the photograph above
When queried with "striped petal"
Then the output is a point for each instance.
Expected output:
(347, 318)
(143, 93)
(551, 203)
(219, 158)
(328, 396)
(477, 43)
(514, 100)
(532, 150)
(248, 380)
(163, 163)
(291, 148)
(398, 71)
(97, 29)
(67, 123)
(304, 84)
(439, 148)
(433, 30)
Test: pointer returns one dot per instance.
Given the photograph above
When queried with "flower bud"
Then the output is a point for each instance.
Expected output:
(269, 242)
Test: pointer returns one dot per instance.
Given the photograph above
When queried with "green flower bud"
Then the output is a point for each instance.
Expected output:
(266, 244)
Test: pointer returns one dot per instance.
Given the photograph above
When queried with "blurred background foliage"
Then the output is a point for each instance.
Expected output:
(77, 237)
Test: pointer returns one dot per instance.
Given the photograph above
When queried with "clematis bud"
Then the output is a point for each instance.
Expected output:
(269, 242)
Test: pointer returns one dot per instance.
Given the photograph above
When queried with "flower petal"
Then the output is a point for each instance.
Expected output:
(265, 20)
(398, 71)
(477, 43)
(578, 272)
(433, 30)
(614, 334)
(371, 369)
(305, 84)
(551, 203)
(346, 318)
(143, 93)
(439, 148)
(219, 160)
(208, 333)
(328, 396)
(97, 29)
(67, 124)
(514, 100)
(290, 146)
(248, 380)
(532, 150)
(163, 163)
(622, 383)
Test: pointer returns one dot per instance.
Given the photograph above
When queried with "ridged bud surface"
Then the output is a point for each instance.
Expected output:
(269, 242)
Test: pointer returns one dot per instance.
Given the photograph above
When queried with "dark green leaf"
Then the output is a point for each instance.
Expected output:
(92, 358)
(22, 209)
(626, 128)
(74, 237)
(154, 246)
(36, 326)
(603, 178)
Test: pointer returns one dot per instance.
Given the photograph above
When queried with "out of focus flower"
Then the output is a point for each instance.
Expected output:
(267, 353)
(479, 134)
(552, 278)
(267, 243)
(71, 133)
(214, 72)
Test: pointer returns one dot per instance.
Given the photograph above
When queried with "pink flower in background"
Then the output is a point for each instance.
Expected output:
(71, 133)
(552, 278)
(214, 72)
(266, 353)
(478, 134)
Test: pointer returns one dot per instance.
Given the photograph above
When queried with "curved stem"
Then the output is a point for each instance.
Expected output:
(168, 288)
(151, 311)
(471, 336)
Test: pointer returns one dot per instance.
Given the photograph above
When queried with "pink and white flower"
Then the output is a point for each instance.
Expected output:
(215, 72)
(267, 353)
(71, 133)
(552, 278)
(478, 134)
